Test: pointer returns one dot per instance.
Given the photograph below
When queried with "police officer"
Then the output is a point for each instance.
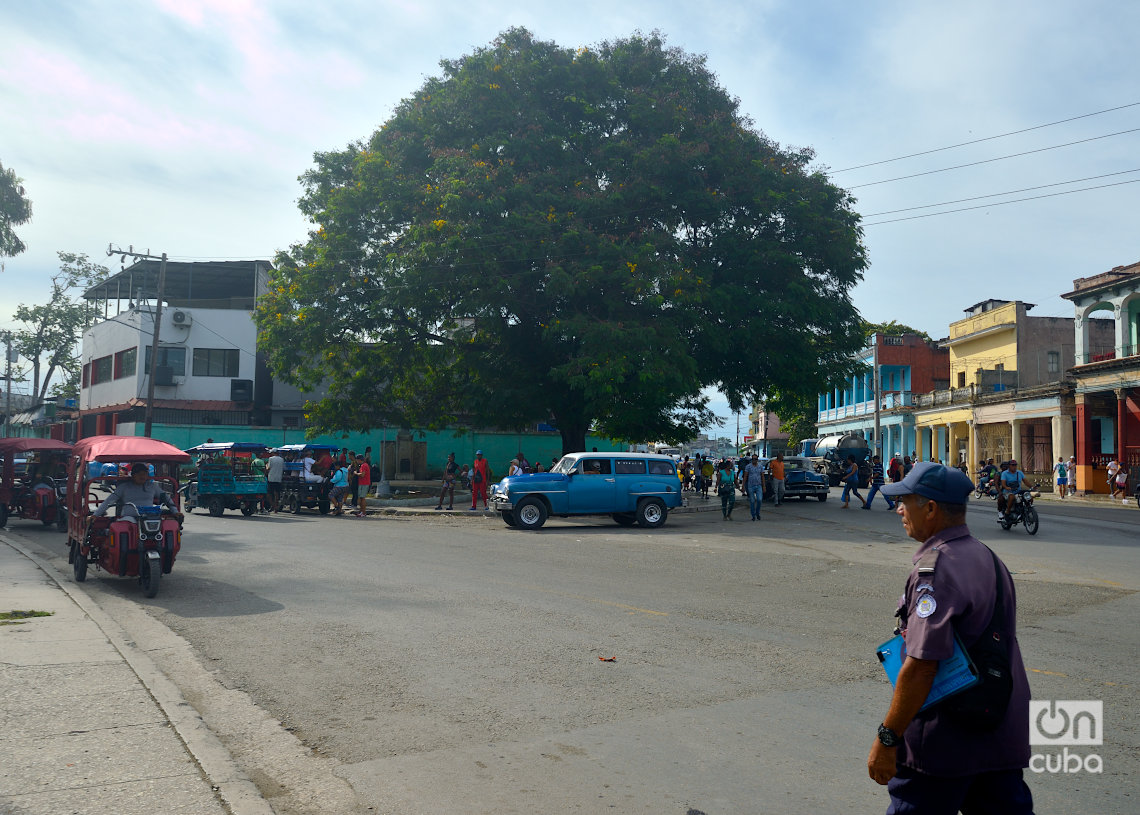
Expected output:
(932, 762)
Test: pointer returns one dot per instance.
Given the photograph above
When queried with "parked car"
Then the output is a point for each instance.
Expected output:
(801, 480)
(633, 488)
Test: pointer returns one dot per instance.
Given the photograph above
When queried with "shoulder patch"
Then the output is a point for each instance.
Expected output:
(925, 606)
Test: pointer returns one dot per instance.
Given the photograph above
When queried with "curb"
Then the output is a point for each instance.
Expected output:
(230, 783)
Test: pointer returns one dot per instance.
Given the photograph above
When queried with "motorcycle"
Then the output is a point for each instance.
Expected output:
(1020, 510)
(986, 486)
(27, 488)
(145, 549)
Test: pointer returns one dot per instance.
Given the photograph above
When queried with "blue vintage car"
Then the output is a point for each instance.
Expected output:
(801, 480)
(633, 488)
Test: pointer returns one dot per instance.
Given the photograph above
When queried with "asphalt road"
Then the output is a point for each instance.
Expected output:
(442, 664)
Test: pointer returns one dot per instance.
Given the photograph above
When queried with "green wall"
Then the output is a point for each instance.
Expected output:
(498, 448)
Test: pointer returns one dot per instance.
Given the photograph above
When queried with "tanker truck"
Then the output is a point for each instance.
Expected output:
(831, 454)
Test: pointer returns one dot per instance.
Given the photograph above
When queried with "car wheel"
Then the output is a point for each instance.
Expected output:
(651, 513)
(509, 517)
(530, 514)
(625, 518)
(217, 506)
(822, 497)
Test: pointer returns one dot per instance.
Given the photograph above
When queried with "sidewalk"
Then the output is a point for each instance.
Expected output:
(87, 722)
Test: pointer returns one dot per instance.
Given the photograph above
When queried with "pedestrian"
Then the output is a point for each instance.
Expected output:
(1061, 472)
(514, 468)
(754, 483)
(480, 475)
(850, 482)
(707, 470)
(1072, 475)
(368, 456)
(1112, 468)
(524, 465)
(450, 471)
(950, 757)
(894, 469)
(776, 468)
(1120, 484)
(726, 487)
(274, 472)
(363, 482)
(907, 465)
(338, 479)
(259, 469)
(877, 484)
(538, 468)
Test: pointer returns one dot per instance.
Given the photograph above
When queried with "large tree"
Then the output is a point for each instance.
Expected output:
(53, 329)
(15, 210)
(586, 236)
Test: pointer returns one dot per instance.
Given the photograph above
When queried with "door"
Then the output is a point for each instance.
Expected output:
(592, 487)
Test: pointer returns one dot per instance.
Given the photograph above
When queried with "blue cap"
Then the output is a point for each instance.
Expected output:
(935, 481)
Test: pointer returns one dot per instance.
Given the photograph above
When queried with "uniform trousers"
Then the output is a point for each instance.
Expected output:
(1002, 792)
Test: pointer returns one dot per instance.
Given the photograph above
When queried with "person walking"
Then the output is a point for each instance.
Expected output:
(754, 483)
(726, 487)
(1072, 475)
(274, 472)
(776, 469)
(450, 471)
(850, 482)
(948, 758)
(363, 482)
(1120, 484)
(1112, 468)
(877, 482)
(480, 475)
(707, 471)
(1061, 473)
(338, 481)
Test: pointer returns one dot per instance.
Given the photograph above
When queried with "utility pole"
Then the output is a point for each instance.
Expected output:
(875, 392)
(157, 324)
(8, 385)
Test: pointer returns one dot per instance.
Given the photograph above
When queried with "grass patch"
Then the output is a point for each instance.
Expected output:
(18, 617)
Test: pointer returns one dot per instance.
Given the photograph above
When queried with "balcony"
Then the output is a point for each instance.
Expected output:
(1111, 353)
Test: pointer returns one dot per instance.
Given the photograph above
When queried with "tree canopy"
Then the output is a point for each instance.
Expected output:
(892, 328)
(15, 209)
(54, 328)
(588, 237)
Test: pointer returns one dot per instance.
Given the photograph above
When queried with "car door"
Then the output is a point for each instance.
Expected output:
(592, 487)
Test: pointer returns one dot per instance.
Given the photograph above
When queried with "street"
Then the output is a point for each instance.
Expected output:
(447, 664)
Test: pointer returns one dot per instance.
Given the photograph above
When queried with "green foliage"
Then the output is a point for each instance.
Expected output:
(892, 328)
(15, 210)
(587, 236)
(54, 328)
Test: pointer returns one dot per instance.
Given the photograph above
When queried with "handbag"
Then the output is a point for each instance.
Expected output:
(982, 708)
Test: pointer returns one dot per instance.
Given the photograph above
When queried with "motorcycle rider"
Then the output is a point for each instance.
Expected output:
(986, 475)
(140, 490)
(1012, 482)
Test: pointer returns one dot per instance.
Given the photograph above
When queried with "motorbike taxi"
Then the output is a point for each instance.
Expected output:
(32, 482)
(141, 540)
(301, 489)
(226, 478)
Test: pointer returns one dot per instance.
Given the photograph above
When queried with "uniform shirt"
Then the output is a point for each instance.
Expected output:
(131, 493)
(960, 596)
(275, 468)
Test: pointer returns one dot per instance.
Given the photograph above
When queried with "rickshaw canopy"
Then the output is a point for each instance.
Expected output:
(228, 446)
(24, 445)
(127, 448)
(298, 448)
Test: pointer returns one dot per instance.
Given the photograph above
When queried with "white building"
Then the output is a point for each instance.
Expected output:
(209, 370)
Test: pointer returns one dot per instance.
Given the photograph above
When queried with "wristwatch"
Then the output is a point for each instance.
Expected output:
(888, 737)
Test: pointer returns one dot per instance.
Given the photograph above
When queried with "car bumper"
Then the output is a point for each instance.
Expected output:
(501, 503)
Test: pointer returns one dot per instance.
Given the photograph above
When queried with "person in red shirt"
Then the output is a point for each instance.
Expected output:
(363, 482)
(480, 475)
(323, 464)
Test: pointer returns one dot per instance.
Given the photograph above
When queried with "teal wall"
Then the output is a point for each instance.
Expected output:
(498, 448)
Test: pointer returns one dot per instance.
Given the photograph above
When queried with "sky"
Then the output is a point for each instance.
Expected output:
(181, 126)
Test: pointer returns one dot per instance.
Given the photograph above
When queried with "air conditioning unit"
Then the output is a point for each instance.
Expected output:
(180, 317)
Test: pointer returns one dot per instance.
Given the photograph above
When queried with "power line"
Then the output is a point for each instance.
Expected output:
(1003, 203)
(991, 160)
(999, 194)
(987, 138)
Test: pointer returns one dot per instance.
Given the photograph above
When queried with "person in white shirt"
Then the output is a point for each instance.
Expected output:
(309, 461)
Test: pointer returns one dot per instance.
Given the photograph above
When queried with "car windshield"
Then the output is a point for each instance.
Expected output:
(794, 464)
(564, 465)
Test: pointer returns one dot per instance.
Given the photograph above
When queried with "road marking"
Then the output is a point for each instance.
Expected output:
(1079, 679)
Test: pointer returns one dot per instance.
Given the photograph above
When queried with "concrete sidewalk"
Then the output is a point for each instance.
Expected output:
(87, 722)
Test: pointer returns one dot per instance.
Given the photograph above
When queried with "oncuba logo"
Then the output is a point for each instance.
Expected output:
(1065, 724)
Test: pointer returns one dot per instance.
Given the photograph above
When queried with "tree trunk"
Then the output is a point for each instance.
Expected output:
(573, 438)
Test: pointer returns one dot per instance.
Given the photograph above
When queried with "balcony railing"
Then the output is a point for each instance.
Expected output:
(1112, 353)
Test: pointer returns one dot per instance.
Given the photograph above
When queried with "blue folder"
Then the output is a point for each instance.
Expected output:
(955, 673)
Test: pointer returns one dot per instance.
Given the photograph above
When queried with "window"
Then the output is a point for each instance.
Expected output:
(126, 362)
(216, 362)
(595, 466)
(87, 374)
(1054, 362)
(961, 379)
(892, 340)
(175, 358)
(629, 466)
(101, 370)
(661, 468)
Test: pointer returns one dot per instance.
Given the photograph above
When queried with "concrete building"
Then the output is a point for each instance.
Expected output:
(908, 365)
(1106, 376)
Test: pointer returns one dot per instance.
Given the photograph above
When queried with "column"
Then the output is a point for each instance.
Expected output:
(948, 459)
(1121, 419)
(1062, 428)
(972, 461)
(1015, 440)
(1082, 445)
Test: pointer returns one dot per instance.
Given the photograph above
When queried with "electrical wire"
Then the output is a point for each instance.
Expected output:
(987, 138)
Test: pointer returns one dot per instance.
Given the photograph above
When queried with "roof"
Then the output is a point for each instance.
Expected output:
(127, 448)
(1104, 281)
(221, 446)
(22, 445)
(220, 284)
